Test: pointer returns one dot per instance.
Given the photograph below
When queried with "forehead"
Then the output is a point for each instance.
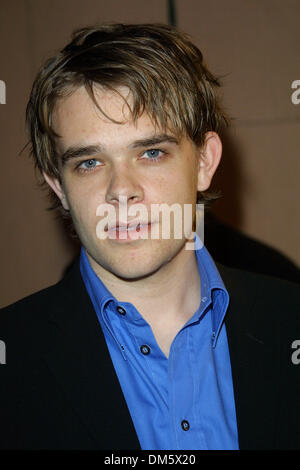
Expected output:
(76, 117)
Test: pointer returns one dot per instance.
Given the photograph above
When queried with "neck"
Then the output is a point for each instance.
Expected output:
(166, 299)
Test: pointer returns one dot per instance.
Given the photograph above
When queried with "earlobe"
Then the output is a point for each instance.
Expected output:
(209, 159)
(56, 186)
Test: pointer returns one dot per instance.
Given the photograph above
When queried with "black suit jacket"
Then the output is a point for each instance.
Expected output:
(59, 390)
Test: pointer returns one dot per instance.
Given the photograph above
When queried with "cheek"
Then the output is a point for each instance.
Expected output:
(181, 186)
(82, 194)
(83, 204)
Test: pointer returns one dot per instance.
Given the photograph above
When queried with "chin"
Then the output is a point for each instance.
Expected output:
(135, 261)
(131, 272)
(149, 264)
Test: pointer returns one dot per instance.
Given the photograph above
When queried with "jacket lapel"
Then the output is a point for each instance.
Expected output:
(81, 362)
(253, 361)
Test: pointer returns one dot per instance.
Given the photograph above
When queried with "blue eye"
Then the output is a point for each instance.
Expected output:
(88, 164)
(154, 154)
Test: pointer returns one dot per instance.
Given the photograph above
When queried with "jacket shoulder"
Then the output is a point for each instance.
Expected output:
(262, 303)
(26, 322)
(31, 305)
(46, 299)
(260, 287)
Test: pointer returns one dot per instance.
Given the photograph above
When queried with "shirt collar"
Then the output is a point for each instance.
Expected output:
(213, 290)
(101, 296)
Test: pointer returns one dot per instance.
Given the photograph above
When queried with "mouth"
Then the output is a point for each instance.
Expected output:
(130, 231)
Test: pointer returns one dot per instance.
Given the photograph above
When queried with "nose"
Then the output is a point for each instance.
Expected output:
(124, 185)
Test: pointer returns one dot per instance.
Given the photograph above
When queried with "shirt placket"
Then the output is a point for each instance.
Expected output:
(181, 391)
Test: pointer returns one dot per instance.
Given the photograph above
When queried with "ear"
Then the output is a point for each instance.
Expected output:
(209, 159)
(56, 186)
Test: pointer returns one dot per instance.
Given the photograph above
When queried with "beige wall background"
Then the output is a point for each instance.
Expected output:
(253, 44)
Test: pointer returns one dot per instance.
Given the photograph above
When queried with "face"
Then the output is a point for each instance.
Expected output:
(124, 166)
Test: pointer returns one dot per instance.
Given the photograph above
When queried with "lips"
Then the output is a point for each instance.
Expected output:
(134, 230)
(131, 226)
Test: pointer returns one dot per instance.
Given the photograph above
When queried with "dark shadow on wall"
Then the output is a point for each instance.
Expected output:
(232, 248)
(230, 180)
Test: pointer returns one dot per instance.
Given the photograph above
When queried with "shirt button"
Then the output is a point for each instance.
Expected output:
(121, 310)
(185, 425)
(145, 349)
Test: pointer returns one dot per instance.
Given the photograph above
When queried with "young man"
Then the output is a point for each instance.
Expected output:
(145, 343)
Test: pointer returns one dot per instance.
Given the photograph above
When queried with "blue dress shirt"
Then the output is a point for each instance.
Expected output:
(185, 401)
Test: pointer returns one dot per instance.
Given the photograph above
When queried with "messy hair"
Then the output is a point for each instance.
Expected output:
(161, 67)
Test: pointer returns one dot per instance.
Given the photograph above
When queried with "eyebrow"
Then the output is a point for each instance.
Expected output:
(94, 149)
